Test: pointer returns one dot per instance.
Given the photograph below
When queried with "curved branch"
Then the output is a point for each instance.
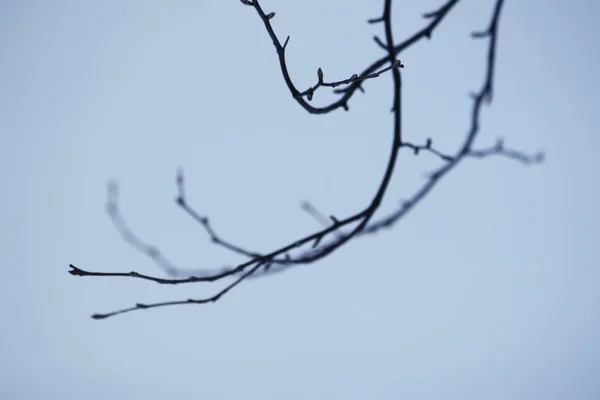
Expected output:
(354, 84)
(280, 259)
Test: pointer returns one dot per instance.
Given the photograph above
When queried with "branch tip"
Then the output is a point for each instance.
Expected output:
(499, 144)
(375, 20)
(75, 271)
(540, 156)
(380, 42)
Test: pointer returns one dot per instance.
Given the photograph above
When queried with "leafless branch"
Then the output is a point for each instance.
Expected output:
(334, 232)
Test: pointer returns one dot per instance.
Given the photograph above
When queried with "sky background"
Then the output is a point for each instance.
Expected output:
(487, 290)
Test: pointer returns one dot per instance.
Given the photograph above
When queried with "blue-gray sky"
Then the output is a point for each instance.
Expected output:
(488, 289)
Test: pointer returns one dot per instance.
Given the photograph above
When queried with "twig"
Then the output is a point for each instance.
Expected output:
(435, 16)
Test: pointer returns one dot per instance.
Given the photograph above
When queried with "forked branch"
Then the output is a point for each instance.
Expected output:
(335, 232)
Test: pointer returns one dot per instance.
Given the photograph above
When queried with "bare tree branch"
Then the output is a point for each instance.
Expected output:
(335, 232)
(354, 84)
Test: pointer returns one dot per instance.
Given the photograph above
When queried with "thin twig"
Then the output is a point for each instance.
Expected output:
(436, 17)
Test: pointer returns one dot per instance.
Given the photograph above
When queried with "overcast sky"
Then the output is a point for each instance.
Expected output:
(487, 290)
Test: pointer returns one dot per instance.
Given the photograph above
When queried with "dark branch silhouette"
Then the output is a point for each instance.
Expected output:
(335, 232)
